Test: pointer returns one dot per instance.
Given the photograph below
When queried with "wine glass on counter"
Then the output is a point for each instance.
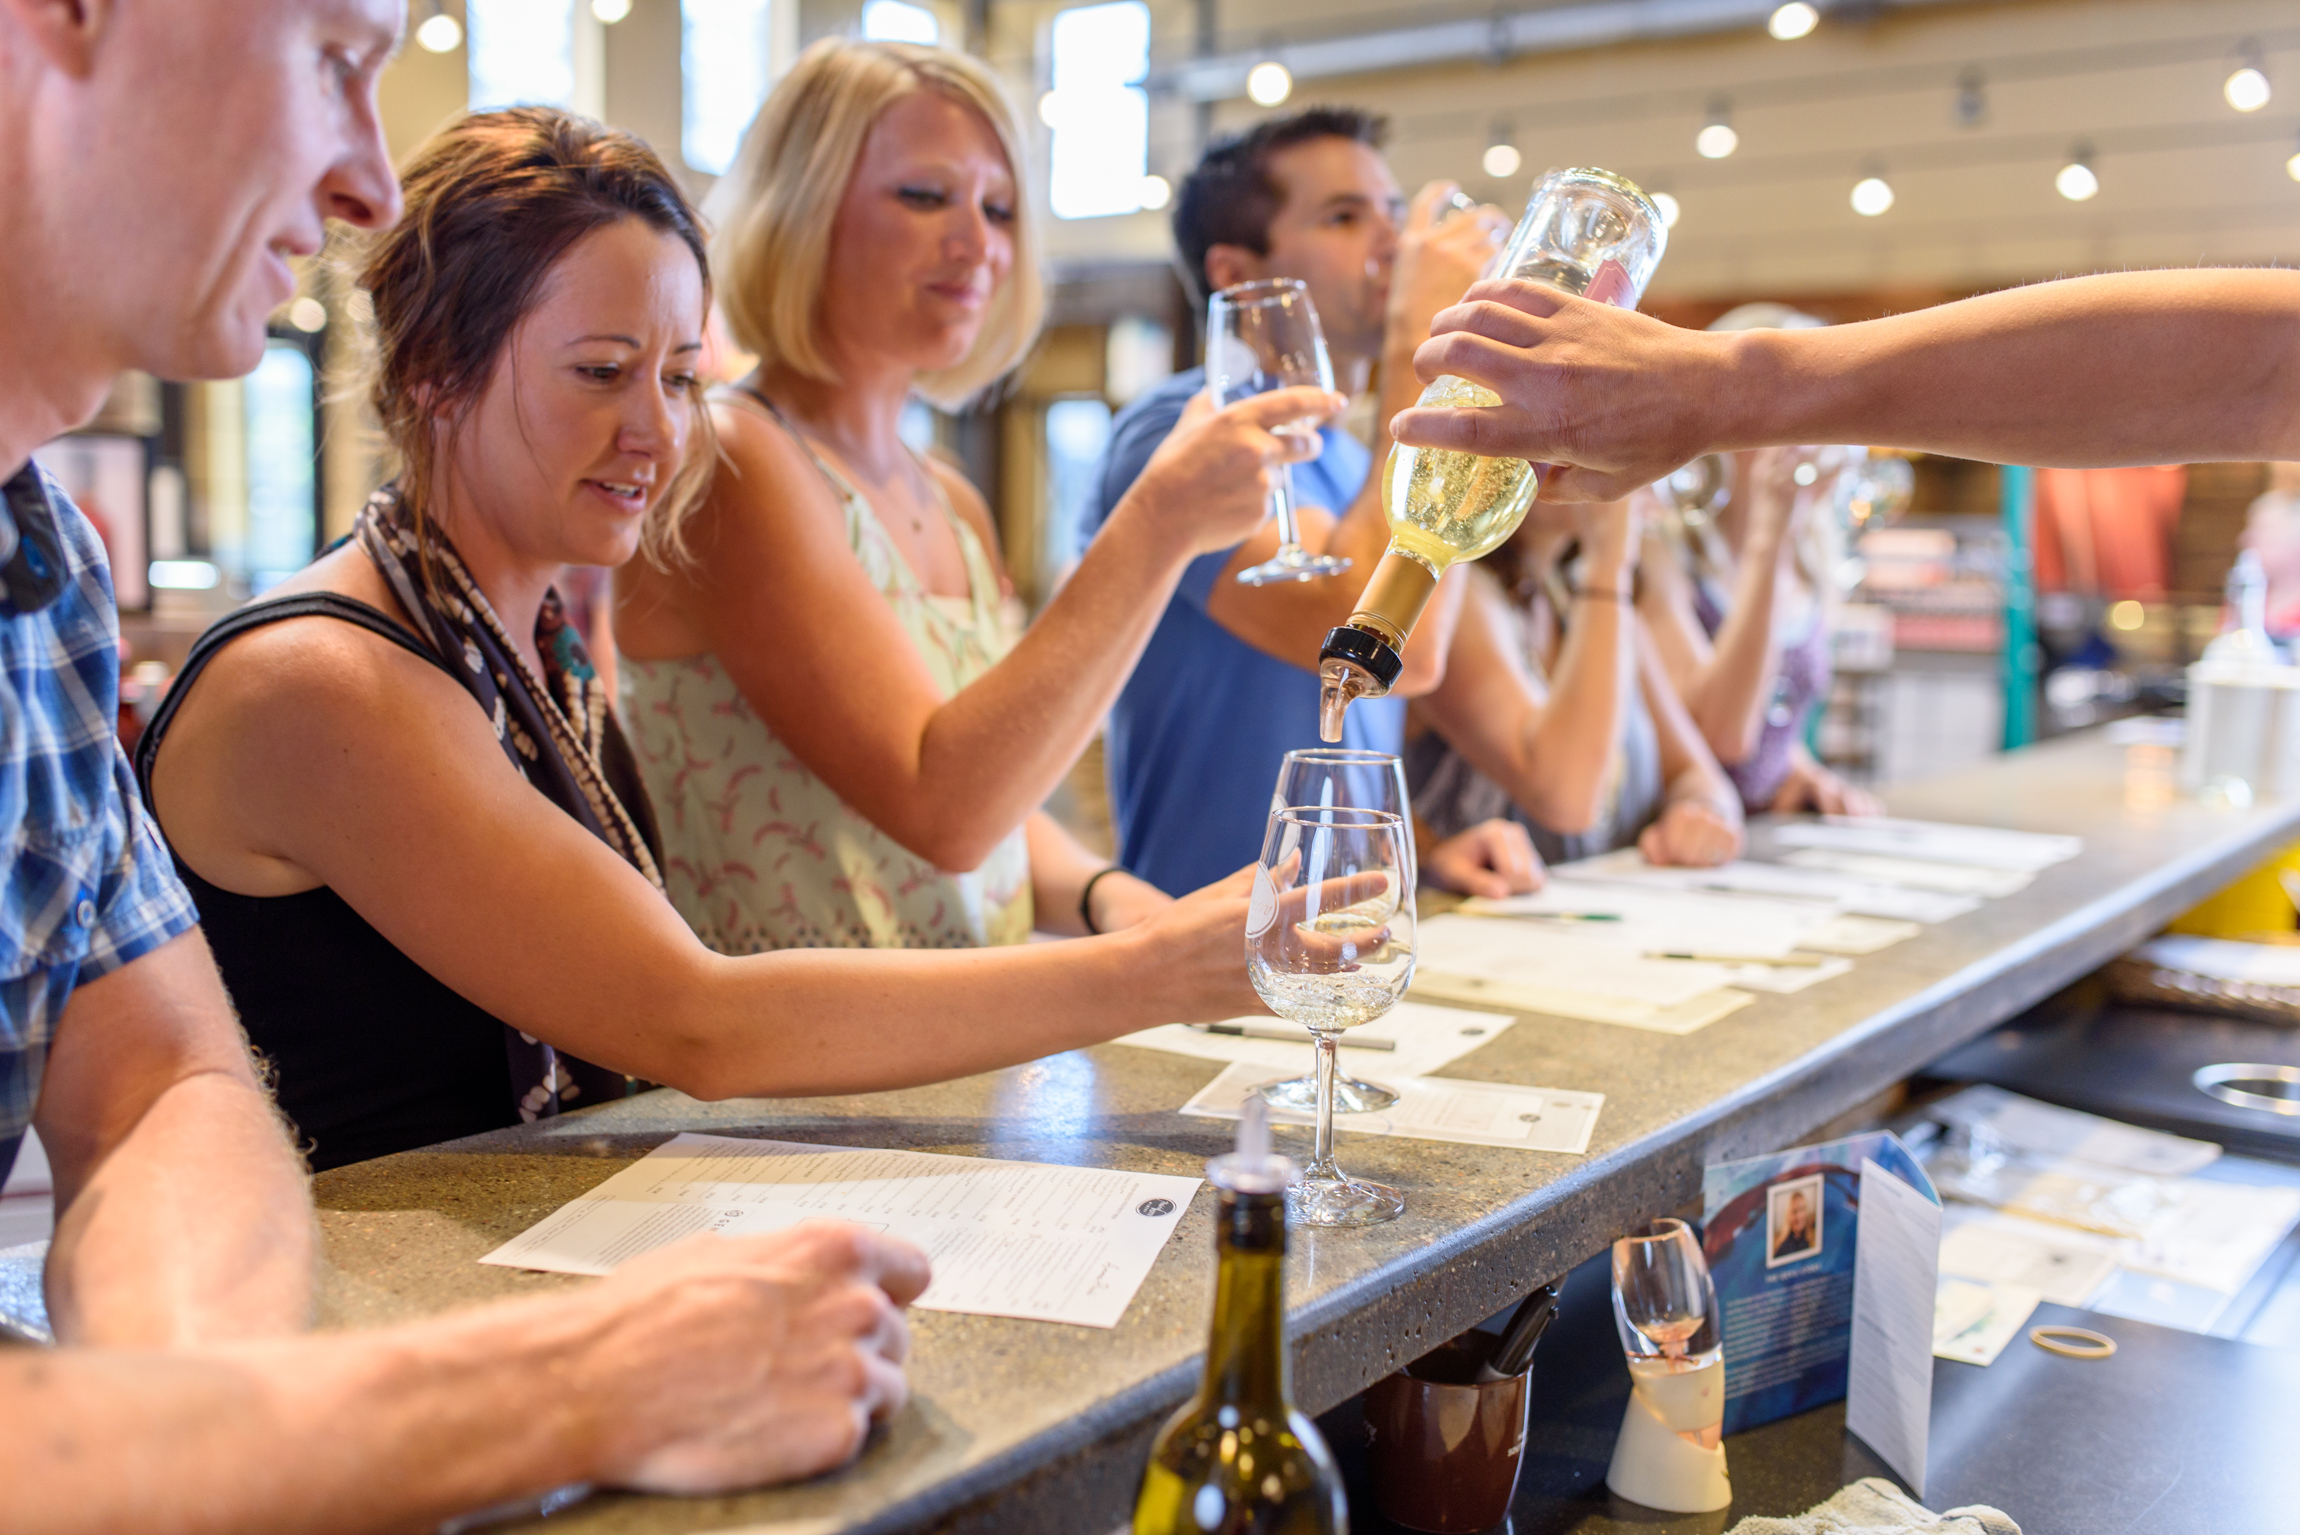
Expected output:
(1329, 778)
(1330, 946)
(1261, 336)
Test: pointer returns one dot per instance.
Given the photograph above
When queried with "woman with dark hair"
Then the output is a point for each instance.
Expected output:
(416, 836)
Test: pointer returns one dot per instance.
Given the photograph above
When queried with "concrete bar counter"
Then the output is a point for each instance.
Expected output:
(1024, 1427)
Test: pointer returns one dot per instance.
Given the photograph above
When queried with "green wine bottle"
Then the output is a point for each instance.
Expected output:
(1239, 1459)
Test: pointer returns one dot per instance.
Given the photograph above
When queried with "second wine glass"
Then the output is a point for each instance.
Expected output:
(1330, 945)
(1262, 336)
(1337, 777)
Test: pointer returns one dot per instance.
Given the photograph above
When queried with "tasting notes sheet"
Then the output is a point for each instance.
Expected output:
(1019, 1239)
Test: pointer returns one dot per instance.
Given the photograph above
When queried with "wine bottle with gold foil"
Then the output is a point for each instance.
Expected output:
(1587, 232)
(1239, 1458)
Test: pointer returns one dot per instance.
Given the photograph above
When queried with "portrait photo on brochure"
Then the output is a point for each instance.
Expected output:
(1793, 1220)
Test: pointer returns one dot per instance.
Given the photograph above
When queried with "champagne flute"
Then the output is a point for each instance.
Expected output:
(1329, 778)
(1262, 336)
(1330, 945)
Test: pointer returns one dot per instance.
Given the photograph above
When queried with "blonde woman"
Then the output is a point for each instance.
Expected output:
(844, 745)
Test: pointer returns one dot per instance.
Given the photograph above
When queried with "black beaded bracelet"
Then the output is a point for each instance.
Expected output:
(1086, 898)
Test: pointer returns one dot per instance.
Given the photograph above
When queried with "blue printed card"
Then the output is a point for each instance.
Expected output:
(1779, 1232)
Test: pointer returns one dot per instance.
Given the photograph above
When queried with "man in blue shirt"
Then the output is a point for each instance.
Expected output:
(159, 166)
(1228, 684)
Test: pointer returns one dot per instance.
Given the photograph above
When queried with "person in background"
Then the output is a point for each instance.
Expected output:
(2272, 531)
(417, 836)
(2189, 366)
(185, 1250)
(1604, 756)
(1228, 684)
(844, 744)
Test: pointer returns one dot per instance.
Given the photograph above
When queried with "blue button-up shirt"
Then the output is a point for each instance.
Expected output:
(88, 882)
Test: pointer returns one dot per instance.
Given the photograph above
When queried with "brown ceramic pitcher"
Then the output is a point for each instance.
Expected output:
(1444, 1450)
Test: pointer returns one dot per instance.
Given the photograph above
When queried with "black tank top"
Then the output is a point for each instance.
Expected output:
(369, 1051)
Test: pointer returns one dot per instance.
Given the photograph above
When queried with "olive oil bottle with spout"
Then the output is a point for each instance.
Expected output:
(1587, 232)
(1239, 1458)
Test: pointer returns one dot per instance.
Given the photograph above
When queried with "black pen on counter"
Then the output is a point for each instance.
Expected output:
(1288, 1036)
(1521, 1336)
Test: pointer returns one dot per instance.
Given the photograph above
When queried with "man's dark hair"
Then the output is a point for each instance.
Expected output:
(1230, 198)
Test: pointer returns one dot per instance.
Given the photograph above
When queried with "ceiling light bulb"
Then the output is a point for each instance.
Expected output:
(1716, 141)
(2247, 89)
(1871, 196)
(440, 33)
(1670, 212)
(2076, 182)
(1157, 192)
(610, 11)
(1269, 83)
(1793, 21)
(1502, 160)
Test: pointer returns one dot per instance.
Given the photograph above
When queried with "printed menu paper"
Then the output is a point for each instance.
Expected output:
(1916, 873)
(1436, 1109)
(1889, 1372)
(1973, 1322)
(1427, 1038)
(2002, 1251)
(1017, 1239)
(2041, 1129)
(1986, 847)
(1649, 918)
(1824, 889)
(1521, 965)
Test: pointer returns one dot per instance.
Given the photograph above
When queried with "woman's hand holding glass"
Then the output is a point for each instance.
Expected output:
(1330, 945)
(1214, 475)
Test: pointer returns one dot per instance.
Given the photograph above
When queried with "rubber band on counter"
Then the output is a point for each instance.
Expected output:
(2073, 1342)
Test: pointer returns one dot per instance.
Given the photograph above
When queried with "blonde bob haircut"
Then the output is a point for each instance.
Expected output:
(775, 209)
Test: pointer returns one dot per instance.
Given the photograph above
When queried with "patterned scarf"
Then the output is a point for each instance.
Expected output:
(556, 730)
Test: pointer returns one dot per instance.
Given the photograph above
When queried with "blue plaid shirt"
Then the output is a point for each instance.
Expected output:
(89, 885)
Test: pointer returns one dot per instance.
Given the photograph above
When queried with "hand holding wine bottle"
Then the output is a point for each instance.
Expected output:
(1586, 233)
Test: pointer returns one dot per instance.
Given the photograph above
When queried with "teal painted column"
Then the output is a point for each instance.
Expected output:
(2019, 662)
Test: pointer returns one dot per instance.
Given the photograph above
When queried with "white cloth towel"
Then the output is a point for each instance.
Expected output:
(1873, 1506)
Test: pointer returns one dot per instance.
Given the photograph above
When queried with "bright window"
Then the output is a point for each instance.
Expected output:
(893, 21)
(283, 496)
(1098, 110)
(522, 53)
(727, 58)
(1077, 434)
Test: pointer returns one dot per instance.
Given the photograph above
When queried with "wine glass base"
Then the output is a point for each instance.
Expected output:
(1295, 564)
(1350, 1095)
(1343, 1202)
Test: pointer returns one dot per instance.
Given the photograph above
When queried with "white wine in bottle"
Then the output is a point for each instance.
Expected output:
(1239, 1458)
(1587, 232)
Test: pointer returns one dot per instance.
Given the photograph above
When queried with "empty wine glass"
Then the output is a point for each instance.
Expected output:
(1262, 336)
(1330, 778)
(1330, 945)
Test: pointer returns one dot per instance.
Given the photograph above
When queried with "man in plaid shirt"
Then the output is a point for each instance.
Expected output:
(160, 163)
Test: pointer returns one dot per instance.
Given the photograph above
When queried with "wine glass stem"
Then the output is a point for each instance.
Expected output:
(1282, 508)
(1329, 1058)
